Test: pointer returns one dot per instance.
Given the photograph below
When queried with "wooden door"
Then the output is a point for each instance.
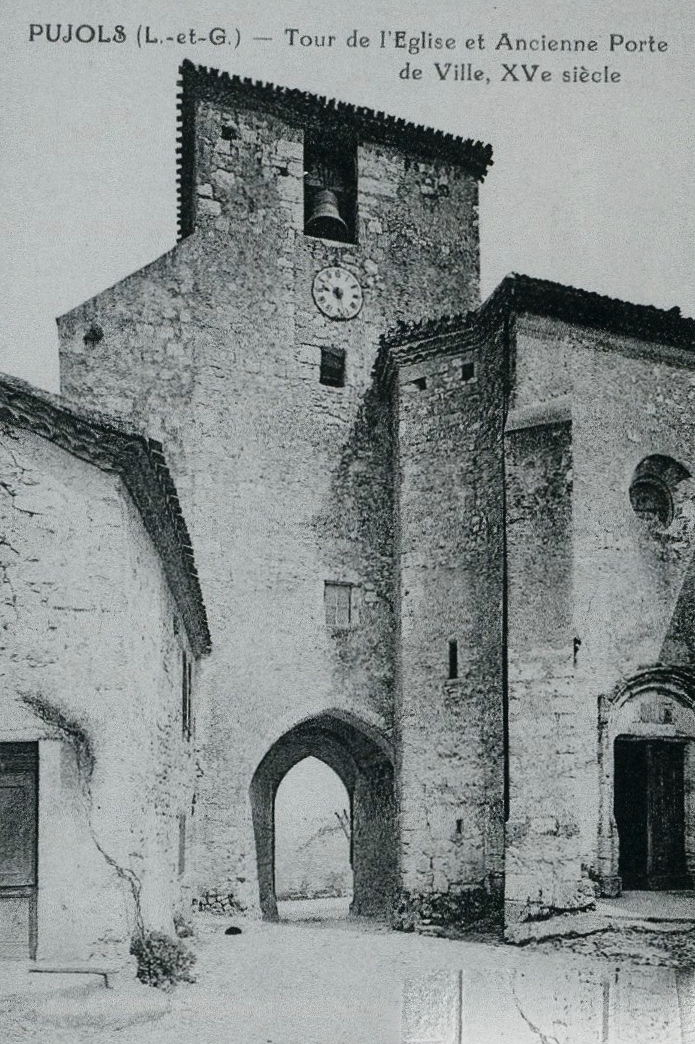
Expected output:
(666, 866)
(18, 848)
(650, 813)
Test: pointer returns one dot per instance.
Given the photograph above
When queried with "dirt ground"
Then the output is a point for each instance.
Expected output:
(343, 982)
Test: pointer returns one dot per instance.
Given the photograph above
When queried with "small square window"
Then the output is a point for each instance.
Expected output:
(338, 601)
(468, 371)
(94, 334)
(333, 367)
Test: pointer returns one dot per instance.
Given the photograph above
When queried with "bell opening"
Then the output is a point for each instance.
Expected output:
(325, 220)
(330, 184)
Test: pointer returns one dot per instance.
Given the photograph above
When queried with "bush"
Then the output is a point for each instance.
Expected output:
(162, 961)
(448, 910)
(182, 927)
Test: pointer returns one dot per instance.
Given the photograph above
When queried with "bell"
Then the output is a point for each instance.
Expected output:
(325, 220)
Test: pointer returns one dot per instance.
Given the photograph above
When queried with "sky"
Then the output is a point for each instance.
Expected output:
(591, 185)
(310, 798)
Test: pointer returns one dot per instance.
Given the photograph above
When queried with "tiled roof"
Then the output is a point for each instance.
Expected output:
(112, 446)
(518, 294)
(199, 81)
(585, 308)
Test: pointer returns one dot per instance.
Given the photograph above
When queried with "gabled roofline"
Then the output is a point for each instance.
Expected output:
(198, 81)
(586, 308)
(112, 446)
(524, 295)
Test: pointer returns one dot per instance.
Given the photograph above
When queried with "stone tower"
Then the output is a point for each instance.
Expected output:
(544, 462)
(307, 228)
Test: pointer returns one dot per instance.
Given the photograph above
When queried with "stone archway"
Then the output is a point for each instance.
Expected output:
(654, 708)
(363, 760)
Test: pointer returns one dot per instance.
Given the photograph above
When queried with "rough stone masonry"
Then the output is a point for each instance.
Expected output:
(101, 621)
(453, 561)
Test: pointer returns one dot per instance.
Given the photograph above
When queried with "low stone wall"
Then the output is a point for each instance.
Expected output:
(458, 908)
(216, 902)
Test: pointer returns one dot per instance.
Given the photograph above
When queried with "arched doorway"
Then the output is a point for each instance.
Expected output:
(363, 761)
(647, 793)
(313, 843)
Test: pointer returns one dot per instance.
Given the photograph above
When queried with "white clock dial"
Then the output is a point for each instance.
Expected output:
(337, 293)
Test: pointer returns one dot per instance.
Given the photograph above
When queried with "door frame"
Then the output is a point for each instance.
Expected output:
(656, 703)
(25, 755)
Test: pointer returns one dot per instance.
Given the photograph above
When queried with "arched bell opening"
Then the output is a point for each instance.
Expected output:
(330, 184)
(363, 762)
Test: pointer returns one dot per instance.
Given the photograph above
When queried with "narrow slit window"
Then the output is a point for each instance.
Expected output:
(186, 683)
(333, 367)
(338, 602)
(182, 843)
(453, 659)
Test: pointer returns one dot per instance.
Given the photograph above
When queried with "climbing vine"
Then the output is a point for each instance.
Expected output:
(78, 737)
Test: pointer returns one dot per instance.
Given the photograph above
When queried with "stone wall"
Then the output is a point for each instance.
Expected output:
(597, 595)
(544, 719)
(91, 664)
(450, 552)
(284, 481)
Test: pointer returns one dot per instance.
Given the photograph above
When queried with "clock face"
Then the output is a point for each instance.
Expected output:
(337, 293)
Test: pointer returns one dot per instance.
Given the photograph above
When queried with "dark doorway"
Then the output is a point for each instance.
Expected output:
(19, 764)
(650, 813)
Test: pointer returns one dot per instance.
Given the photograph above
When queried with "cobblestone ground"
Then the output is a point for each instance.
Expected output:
(342, 982)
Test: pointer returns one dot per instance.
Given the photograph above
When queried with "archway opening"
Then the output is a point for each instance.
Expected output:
(363, 762)
(313, 843)
(647, 761)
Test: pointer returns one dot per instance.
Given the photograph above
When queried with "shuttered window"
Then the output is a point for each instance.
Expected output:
(338, 600)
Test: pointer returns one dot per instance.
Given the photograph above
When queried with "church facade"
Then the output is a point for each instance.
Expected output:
(449, 557)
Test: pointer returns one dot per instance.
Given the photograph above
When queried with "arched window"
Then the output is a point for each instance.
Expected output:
(653, 488)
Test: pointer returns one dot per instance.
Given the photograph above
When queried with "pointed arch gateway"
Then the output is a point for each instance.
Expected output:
(362, 758)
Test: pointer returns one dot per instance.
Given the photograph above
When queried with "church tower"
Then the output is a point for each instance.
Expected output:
(307, 228)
